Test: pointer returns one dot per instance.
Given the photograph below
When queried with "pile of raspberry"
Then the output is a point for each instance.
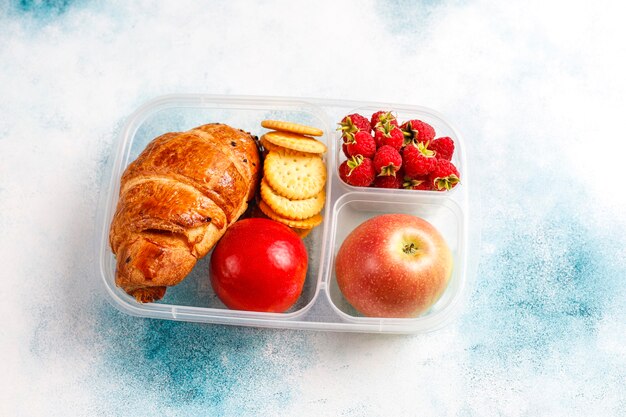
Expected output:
(382, 153)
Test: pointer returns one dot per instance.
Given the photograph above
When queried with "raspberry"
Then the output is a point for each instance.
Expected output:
(416, 131)
(381, 117)
(443, 147)
(378, 137)
(388, 134)
(362, 143)
(357, 171)
(418, 160)
(389, 181)
(445, 176)
(418, 183)
(387, 161)
(361, 122)
(344, 148)
(353, 123)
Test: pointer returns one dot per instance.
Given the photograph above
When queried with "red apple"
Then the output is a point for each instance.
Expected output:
(393, 265)
(259, 265)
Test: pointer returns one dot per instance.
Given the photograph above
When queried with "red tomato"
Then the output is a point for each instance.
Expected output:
(259, 265)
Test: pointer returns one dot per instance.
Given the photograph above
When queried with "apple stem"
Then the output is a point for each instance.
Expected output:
(410, 249)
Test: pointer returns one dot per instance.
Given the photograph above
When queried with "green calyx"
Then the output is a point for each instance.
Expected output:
(354, 162)
(409, 183)
(446, 183)
(410, 135)
(348, 129)
(387, 127)
(385, 118)
(423, 148)
(387, 171)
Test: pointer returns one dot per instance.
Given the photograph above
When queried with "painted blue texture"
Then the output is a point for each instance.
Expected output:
(42, 8)
(406, 17)
(166, 365)
(536, 89)
(544, 279)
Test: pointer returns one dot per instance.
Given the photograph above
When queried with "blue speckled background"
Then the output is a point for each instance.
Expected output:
(537, 88)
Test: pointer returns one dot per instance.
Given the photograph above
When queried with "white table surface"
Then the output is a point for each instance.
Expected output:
(537, 88)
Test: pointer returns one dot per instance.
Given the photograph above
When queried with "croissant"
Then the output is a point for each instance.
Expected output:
(176, 200)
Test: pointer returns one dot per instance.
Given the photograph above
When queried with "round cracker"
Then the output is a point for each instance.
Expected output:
(293, 175)
(292, 127)
(295, 142)
(270, 147)
(309, 223)
(292, 209)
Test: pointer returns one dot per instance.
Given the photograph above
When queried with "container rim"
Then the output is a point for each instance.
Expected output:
(427, 318)
(110, 185)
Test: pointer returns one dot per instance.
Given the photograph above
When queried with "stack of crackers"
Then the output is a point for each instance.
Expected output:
(294, 175)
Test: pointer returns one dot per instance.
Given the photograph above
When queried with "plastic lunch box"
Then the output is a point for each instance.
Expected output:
(321, 305)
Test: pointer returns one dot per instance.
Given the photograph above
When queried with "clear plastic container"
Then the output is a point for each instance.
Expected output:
(321, 305)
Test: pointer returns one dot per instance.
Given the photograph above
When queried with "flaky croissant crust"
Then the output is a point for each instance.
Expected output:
(176, 200)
